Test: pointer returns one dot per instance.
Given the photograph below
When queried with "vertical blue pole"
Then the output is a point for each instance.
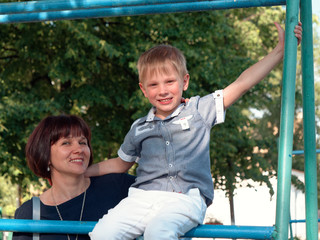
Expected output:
(309, 122)
(286, 123)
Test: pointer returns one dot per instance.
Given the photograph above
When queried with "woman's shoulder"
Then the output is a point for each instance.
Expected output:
(24, 211)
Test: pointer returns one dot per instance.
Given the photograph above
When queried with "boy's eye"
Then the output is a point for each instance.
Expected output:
(170, 81)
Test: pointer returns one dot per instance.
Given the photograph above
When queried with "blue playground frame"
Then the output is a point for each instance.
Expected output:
(48, 10)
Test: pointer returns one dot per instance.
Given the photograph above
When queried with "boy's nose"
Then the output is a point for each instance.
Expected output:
(163, 89)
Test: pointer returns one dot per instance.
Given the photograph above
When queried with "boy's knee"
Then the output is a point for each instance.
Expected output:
(103, 231)
(159, 231)
(104, 234)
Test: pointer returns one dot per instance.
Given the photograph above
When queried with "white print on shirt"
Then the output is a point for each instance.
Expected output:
(183, 122)
(146, 127)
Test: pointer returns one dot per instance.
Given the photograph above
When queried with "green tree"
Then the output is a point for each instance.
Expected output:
(8, 195)
(87, 67)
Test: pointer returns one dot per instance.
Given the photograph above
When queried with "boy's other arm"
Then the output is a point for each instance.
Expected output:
(113, 165)
(254, 74)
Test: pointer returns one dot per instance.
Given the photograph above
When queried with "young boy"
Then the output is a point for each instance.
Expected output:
(171, 145)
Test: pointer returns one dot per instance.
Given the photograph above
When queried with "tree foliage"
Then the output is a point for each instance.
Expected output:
(87, 67)
(8, 193)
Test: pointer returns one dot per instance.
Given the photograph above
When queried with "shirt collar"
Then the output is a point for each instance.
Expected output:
(152, 117)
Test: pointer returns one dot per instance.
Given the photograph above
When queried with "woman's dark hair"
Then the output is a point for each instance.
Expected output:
(48, 132)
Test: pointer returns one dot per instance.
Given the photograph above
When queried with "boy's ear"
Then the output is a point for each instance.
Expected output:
(186, 82)
(142, 89)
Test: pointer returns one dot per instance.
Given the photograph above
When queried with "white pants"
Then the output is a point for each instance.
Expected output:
(157, 214)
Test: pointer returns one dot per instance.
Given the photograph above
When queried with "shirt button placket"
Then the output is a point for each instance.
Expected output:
(169, 155)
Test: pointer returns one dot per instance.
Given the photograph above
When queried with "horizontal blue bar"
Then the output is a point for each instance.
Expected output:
(46, 226)
(136, 10)
(300, 221)
(58, 5)
(301, 152)
(76, 227)
(223, 231)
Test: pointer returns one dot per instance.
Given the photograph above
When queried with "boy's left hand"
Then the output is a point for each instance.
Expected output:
(298, 32)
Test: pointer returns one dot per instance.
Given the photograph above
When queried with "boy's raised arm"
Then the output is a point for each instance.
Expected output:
(113, 165)
(254, 74)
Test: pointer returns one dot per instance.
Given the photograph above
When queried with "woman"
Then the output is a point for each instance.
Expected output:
(59, 150)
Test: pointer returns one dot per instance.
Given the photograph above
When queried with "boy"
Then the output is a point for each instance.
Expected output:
(171, 144)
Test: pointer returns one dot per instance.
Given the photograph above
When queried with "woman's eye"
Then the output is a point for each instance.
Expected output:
(83, 143)
(65, 143)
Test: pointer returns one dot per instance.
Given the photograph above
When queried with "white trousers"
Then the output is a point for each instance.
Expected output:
(156, 214)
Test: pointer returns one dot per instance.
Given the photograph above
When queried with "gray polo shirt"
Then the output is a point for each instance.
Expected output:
(173, 154)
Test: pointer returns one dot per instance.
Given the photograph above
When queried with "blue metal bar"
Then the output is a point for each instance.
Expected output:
(76, 227)
(286, 122)
(136, 10)
(46, 226)
(290, 228)
(58, 5)
(300, 220)
(301, 152)
(309, 126)
(231, 231)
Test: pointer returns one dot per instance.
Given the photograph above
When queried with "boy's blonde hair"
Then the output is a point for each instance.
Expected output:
(156, 60)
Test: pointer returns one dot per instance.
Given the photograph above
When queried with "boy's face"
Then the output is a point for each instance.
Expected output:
(164, 90)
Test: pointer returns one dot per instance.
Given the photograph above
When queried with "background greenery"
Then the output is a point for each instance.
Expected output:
(87, 67)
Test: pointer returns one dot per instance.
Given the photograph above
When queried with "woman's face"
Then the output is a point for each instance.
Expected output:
(69, 156)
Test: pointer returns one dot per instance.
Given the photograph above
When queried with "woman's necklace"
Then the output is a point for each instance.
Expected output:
(83, 201)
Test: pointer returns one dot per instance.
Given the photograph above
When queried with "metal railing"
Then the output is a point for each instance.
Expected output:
(76, 227)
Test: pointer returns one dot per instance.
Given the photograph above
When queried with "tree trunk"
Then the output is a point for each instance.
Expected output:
(233, 222)
(19, 202)
(231, 208)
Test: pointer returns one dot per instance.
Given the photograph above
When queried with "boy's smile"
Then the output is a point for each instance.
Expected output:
(164, 90)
